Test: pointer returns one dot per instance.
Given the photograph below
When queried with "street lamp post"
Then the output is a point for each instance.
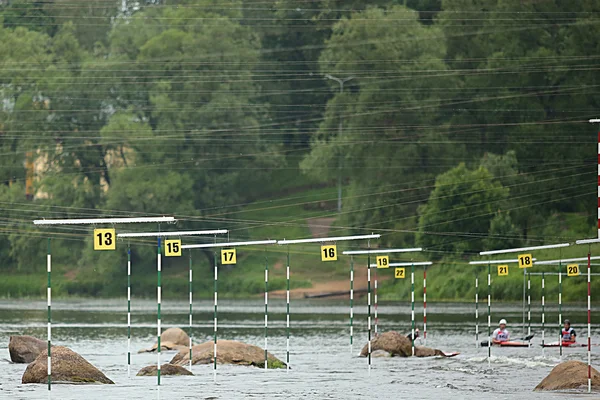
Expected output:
(341, 81)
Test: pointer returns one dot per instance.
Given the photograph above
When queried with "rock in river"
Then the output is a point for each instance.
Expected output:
(165, 369)
(171, 339)
(25, 349)
(394, 344)
(228, 352)
(569, 375)
(67, 367)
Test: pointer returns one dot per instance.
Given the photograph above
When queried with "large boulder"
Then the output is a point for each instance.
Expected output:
(165, 369)
(396, 344)
(569, 375)
(67, 367)
(25, 349)
(171, 339)
(228, 352)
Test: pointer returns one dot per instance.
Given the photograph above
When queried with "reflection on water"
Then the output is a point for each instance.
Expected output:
(322, 365)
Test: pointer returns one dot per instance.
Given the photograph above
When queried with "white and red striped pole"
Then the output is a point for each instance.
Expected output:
(425, 305)
(597, 121)
(375, 296)
(589, 326)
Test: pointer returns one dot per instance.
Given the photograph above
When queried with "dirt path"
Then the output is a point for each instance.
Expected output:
(321, 288)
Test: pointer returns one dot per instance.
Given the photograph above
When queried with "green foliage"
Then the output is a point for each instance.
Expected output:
(463, 200)
(211, 113)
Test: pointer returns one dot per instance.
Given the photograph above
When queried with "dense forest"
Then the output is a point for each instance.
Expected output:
(461, 125)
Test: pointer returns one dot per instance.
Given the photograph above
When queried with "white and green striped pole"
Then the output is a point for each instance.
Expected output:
(49, 296)
(266, 310)
(351, 303)
(128, 310)
(287, 312)
(190, 335)
(476, 311)
(369, 303)
(158, 297)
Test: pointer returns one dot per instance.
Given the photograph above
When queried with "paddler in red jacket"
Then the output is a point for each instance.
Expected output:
(568, 334)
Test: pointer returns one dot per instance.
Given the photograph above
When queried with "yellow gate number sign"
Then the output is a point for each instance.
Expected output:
(525, 260)
(329, 253)
(173, 248)
(502, 270)
(399, 273)
(228, 256)
(104, 239)
(572, 270)
(383, 261)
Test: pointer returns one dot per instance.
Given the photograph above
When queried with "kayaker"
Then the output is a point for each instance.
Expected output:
(568, 334)
(501, 335)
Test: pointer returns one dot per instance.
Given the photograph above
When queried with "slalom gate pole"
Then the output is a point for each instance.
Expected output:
(560, 309)
(128, 310)
(158, 297)
(543, 309)
(266, 309)
(528, 304)
(412, 306)
(215, 319)
(375, 303)
(589, 321)
(287, 312)
(476, 311)
(425, 305)
(489, 312)
(191, 305)
(369, 306)
(351, 303)
(49, 298)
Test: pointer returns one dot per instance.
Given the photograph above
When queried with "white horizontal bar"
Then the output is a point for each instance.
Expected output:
(566, 260)
(587, 241)
(582, 271)
(594, 121)
(329, 239)
(406, 264)
(495, 262)
(91, 221)
(549, 246)
(180, 233)
(230, 244)
(380, 251)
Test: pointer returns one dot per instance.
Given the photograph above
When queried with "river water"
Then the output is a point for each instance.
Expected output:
(322, 366)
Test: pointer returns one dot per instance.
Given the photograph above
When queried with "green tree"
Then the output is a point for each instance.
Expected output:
(458, 214)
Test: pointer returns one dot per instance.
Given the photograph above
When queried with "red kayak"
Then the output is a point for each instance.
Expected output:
(564, 344)
(507, 344)
(513, 344)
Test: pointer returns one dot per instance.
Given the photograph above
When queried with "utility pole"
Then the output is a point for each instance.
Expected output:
(341, 81)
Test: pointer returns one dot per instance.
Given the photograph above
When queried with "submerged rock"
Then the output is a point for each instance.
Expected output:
(165, 369)
(380, 354)
(171, 339)
(25, 349)
(67, 367)
(569, 375)
(228, 352)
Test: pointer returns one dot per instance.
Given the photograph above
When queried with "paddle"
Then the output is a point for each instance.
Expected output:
(526, 338)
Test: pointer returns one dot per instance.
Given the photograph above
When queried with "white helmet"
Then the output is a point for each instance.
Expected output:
(502, 322)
